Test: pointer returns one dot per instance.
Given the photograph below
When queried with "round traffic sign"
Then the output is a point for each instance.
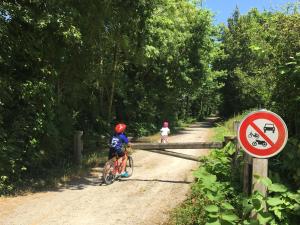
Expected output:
(262, 134)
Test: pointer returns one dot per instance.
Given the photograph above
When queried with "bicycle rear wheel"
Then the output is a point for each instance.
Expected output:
(107, 175)
(129, 166)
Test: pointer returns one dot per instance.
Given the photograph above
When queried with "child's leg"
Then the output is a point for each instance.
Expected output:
(124, 161)
(164, 139)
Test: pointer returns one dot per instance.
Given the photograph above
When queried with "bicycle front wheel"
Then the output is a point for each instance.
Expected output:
(108, 175)
(129, 166)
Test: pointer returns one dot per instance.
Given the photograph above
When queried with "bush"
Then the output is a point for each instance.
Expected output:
(286, 164)
(216, 196)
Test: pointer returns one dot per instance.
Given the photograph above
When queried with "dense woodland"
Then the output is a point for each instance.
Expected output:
(86, 65)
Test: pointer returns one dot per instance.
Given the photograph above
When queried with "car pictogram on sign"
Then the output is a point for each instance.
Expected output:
(269, 127)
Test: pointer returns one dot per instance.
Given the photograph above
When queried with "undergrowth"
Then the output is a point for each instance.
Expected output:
(216, 197)
(58, 177)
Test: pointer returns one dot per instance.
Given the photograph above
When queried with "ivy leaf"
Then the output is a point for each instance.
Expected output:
(211, 197)
(296, 209)
(277, 188)
(229, 217)
(264, 217)
(201, 173)
(228, 206)
(266, 181)
(247, 206)
(215, 222)
(213, 215)
(274, 201)
(212, 208)
(295, 197)
(256, 203)
(278, 213)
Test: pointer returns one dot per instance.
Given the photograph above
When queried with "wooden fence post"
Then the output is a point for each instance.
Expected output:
(236, 124)
(237, 144)
(260, 168)
(78, 147)
(247, 170)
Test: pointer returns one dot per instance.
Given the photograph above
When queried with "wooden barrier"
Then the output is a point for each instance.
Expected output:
(176, 154)
(187, 145)
(161, 147)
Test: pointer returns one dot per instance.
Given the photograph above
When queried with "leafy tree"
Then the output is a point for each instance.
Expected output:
(68, 65)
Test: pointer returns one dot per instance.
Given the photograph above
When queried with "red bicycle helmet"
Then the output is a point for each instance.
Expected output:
(120, 128)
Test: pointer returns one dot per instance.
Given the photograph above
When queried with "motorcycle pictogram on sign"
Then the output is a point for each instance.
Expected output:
(262, 134)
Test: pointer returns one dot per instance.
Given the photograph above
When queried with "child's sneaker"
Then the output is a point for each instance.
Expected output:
(125, 174)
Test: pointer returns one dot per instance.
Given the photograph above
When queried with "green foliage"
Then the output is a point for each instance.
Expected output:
(213, 200)
(216, 196)
(289, 167)
(219, 211)
(282, 205)
(68, 65)
(261, 66)
(219, 162)
(261, 63)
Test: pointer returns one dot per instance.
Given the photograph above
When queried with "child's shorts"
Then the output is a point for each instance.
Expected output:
(112, 152)
(164, 137)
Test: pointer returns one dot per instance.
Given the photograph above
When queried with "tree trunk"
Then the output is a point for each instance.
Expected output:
(112, 90)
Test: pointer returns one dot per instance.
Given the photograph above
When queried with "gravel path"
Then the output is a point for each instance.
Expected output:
(158, 184)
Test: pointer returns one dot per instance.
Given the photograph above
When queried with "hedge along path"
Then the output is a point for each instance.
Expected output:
(159, 183)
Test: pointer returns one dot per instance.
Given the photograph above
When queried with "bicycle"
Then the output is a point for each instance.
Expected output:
(112, 168)
(253, 135)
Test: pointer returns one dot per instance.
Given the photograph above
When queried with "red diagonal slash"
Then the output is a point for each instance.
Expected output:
(262, 134)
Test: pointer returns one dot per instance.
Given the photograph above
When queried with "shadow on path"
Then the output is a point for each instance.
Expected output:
(157, 180)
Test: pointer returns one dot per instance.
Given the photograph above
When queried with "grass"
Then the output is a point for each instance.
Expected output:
(219, 132)
(94, 159)
(227, 128)
(90, 160)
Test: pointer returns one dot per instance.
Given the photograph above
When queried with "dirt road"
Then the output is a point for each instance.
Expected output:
(159, 183)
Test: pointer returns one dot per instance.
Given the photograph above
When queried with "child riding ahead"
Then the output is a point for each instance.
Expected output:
(164, 132)
(117, 145)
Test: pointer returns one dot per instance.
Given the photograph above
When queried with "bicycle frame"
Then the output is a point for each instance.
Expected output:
(118, 164)
(113, 168)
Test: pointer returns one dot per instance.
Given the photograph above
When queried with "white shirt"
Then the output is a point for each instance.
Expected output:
(164, 131)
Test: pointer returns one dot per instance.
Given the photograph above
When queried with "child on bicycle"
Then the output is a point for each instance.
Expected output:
(164, 132)
(117, 146)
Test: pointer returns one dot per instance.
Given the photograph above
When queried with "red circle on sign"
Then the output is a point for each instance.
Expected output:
(275, 147)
